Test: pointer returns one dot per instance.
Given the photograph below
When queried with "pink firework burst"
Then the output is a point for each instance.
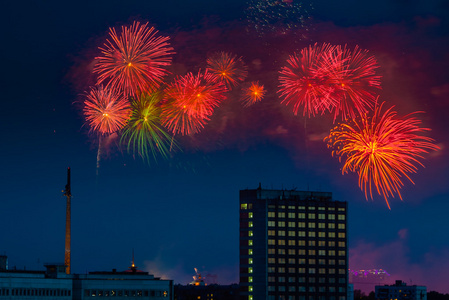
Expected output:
(303, 84)
(190, 101)
(105, 110)
(133, 61)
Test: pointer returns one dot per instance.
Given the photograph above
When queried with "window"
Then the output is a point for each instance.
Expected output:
(250, 269)
(271, 214)
(341, 244)
(250, 279)
(312, 234)
(331, 271)
(311, 225)
(301, 233)
(311, 270)
(321, 243)
(301, 279)
(312, 252)
(322, 270)
(291, 270)
(341, 226)
(281, 279)
(342, 271)
(321, 225)
(311, 243)
(291, 224)
(301, 252)
(250, 233)
(291, 233)
(301, 224)
(281, 251)
(301, 261)
(292, 215)
(281, 270)
(271, 224)
(341, 262)
(331, 217)
(331, 253)
(291, 288)
(250, 224)
(331, 262)
(321, 262)
(311, 216)
(281, 242)
(312, 279)
(271, 269)
(291, 261)
(331, 234)
(281, 224)
(291, 242)
(321, 234)
(250, 215)
(271, 242)
(281, 233)
(291, 251)
(281, 215)
(331, 226)
(341, 253)
(271, 251)
(250, 251)
(301, 270)
(281, 260)
(301, 243)
(301, 215)
(341, 217)
(243, 206)
(250, 242)
(322, 252)
(271, 279)
(341, 235)
(250, 261)
(321, 216)
(312, 261)
(331, 244)
(271, 232)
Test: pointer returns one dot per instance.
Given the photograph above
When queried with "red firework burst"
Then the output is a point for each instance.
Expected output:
(303, 83)
(382, 150)
(190, 101)
(352, 76)
(253, 93)
(133, 62)
(105, 110)
(228, 68)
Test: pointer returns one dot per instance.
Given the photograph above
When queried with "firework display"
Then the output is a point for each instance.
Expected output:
(226, 66)
(330, 78)
(303, 84)
(353, 80)
(133, 61)
(278, 17)
(190, 101)
(143, 134)
(252, 94)
(105, 110)
(383, 150)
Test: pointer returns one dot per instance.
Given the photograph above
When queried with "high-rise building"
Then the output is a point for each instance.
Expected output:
(293, 245)
(401, 291)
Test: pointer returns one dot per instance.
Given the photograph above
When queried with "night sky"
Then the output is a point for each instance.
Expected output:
(181, 213)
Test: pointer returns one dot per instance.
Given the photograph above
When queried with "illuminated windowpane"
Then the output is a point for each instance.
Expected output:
(281, 242)
(331, 208)
(341, 209)
(281, 251)
(250, 261)
(321, 216)
(311, 216)
(271, 269)
(301, 224)
(301, 270)
(341, 235)
(250, 215)
(302, 261)
(312, 261)
(341, 271)
(341, 262)
(291, 261)
(281, 270)
(321, 208)
(250, 297)
(250, 233)
(341, 217)
(322, 271)
(341, 253)
(250, 224)
(331, 271)
(301, 243)
(281, 224)
(291, 224)
(291, 251)
(331, 234)
(322, 252)
(301, 215)
(243, 206)
(271, 232)
(271, 251)
(301, 233)
(281, 215)
(250, 251)
(271, 242)
(341, 244)
(321, 234)
(281, 233)
(271, 260)
(311, 243)
(291, 215)
(281, 260)
(271, 223)
(312, 234)
(291, 242)
(312, 225)
(250, 270)
(331, 225)
(312, 252)
(250, 288)
(331, 217)
(331, 261)
(291, 233)
(321, 225)
(271, 279)
(331, 253)
(250, 242)
(321, 261)
(341, 226)
(301, 252)
(331, 244)
(271, 214)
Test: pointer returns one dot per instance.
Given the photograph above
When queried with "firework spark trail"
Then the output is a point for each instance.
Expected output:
(134, 61)
(252, 94)
(105, 110)
(352, 77)
(303, 83)
(227, 67)
(190, 101)
(382, 150)
(144, 134)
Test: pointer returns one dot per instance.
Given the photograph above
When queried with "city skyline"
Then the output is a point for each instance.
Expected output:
(182, 213)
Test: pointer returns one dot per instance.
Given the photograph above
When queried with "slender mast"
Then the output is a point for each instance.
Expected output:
(68, 194)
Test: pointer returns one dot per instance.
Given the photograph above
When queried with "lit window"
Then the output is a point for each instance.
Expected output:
(311, 234)
(271, 251)
(291, 233)
(301, 215)
(341, 244)
(341, 235)
(271, 223)
(341, 217)
(331, 253)
(281, 279)
(341, 271)
(322, 270)
(301, 252)
(301, 270)
(341, 226)
(281, 270)
(301, 233)
(301, 224)
(291, 270)
(311, 243)
(331, 271)
(321, 261)
(331, 217)
(312, 252)
(250, 233)
(291, 261)
(250, 242)
(301, 243)
(291, 207)
(281, 233)
(250, 288)
(321, 225)
(281, 224)
(291, 251)
(321, 208)
(321, 234)
(331, 244)
(311, 225)
(271, 279)
(271, 232)
(250, 279)
(281, 251)
(311, 270)
(243, 206)
(312, 261)
(341, 253)
(291, 215)
(250, 297)
(331, 234)
(322, 252)
(250, 224)
(291, 224)
(271, 269)
(250, 270)
(250, 261)
(250, 215)
(250, 251)
(341, 262)
(271, 260)
(341, 209)
(291, 242)
(271, 242)
(302, 261)
(281, 215)
(321, 216)
(271, 214)
(281, 242)
(331, 225)
(281, 260)
(311, 216)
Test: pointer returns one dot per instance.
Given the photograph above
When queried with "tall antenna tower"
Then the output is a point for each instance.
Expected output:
(68, 194)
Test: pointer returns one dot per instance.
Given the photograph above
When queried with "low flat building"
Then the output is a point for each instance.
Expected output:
(400, 291)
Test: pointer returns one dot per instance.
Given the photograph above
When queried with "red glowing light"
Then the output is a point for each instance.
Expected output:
(106, 111)
(253, 93)
(228, 68)
(133, 62)
(382, 150)
(190, 101)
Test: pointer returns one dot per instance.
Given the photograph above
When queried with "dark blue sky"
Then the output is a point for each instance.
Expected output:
(182, 213)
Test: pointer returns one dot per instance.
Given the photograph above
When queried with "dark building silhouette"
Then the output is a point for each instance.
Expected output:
(293, 245)
(206, 292)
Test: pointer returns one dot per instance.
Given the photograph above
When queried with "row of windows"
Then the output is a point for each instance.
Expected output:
(292, 215)
(321, 234)
(310, 270)
(273, 242)
(246, 206)
(303, 279)
(302, 225)
(125, 293)
(309, 261)
(39, 292)
(313, 289)
(301, 243)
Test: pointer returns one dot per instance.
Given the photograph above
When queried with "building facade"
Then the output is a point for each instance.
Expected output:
(54, 283)
(400, 291)
(293, 245)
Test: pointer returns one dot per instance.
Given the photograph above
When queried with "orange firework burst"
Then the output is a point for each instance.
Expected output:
(106, 111)
(253, 94)
(190, 101)
(133, 62)
(352, 77)
(381, 149)
(228, 68)
(303, 83)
